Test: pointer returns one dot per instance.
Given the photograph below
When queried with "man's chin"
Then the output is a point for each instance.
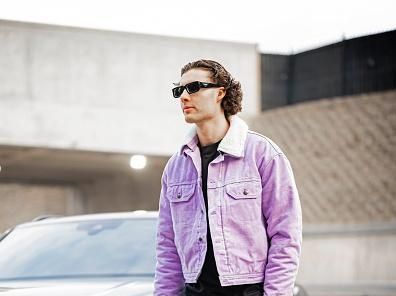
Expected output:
(189, 119)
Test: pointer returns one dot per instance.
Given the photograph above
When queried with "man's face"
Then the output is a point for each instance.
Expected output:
(203, 105)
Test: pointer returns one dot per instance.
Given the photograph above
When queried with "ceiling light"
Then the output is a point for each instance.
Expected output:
(138, 162)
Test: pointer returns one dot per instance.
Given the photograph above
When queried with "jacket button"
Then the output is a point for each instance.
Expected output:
(245, 192)
(200, 239)
(179, 195)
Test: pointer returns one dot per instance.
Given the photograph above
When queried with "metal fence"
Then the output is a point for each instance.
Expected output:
(359, 65)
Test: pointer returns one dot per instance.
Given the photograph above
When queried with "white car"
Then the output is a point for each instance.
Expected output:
(110, 254)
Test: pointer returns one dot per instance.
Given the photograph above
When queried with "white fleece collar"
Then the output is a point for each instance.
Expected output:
(233, 142)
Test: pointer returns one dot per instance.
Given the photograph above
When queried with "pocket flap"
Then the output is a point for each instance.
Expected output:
(244, 190)
(181, 193)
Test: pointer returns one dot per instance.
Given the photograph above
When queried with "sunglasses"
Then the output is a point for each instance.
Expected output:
(192, 87)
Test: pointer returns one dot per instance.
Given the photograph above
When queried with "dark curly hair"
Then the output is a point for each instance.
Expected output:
(232, 101)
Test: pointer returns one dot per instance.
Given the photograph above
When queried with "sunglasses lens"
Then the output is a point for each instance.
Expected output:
(177, 91)
(192, 87)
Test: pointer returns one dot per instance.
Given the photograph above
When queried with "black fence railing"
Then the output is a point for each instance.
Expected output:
(354, 66)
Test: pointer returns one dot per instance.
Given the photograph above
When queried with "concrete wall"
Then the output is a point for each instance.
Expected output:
(123, 192)
(21, 202)
(97, 90)
(70, 89)
(68, 183)
(349, 260)
(24, 202)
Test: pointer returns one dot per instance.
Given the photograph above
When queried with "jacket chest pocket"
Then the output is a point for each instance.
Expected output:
(244, 200)
(181, 202)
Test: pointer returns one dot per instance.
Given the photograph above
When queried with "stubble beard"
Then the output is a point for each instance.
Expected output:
(189, 119)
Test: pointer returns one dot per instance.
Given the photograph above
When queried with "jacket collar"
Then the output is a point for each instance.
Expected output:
(233, 142)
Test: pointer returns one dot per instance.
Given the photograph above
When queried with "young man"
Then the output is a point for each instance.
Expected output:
(229, 211)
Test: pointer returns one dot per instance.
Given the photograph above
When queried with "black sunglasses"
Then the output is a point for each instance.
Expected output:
(192, 87)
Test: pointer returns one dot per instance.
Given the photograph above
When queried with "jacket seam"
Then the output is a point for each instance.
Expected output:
(242, 274)
(265, 166)
(265, 138)
(222, 224)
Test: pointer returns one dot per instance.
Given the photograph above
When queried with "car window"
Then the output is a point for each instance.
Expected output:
(93, 248)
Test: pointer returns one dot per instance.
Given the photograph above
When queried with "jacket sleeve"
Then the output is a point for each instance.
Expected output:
(282, 212)
(168, 272)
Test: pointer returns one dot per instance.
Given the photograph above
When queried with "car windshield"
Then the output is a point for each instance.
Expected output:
(116, 247)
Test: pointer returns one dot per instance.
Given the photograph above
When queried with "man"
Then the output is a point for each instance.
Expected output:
(229, 210)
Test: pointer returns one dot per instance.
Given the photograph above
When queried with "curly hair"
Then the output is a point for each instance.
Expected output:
(232, 101)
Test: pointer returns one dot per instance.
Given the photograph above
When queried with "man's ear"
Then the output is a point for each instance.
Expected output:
(221, 93)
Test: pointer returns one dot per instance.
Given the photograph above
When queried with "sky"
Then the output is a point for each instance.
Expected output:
(275, 26)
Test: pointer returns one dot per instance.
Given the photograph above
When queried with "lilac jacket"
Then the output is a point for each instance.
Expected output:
(254, 214)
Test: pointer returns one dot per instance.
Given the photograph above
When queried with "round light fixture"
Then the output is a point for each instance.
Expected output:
(138, 162)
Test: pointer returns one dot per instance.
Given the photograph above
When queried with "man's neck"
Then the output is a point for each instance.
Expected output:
(212, 131)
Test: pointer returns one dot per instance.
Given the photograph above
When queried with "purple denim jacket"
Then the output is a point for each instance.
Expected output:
(254, 214)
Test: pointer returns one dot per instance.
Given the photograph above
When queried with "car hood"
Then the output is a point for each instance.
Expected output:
(91, 287)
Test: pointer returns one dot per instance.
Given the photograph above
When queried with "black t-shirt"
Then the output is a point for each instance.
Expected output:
(209, 277)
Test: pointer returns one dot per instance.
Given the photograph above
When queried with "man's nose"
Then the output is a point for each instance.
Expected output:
(185, 96)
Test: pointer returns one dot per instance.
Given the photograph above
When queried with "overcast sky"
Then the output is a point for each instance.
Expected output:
(276, 26)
